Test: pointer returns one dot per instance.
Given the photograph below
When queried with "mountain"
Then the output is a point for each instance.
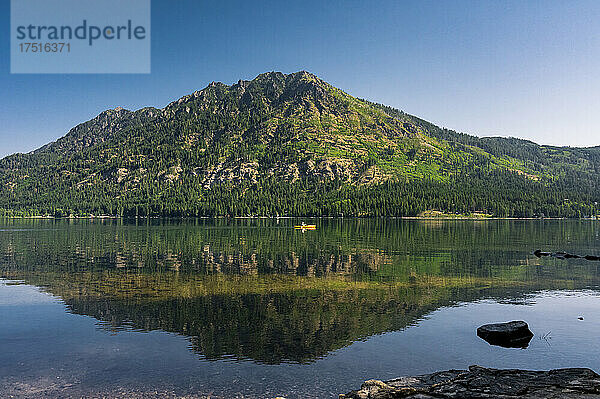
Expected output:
(291, 144)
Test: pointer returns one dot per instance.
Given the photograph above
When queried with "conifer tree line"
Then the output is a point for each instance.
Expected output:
(505, 195)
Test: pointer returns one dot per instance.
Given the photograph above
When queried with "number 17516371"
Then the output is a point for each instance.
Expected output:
(45, 47)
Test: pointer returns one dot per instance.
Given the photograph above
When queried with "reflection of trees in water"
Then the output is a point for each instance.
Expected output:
(207, 251)
(380, 248)
(288, 263)
(296, 326)
(271, 318)
(272, 328)
(268, 293)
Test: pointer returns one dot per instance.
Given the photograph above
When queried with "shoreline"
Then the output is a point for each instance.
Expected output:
(441, 218)
(481, 382)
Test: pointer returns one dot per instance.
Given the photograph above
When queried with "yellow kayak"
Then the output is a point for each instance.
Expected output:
(306, 227)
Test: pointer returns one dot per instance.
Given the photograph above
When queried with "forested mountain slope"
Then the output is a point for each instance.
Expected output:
(290, 145)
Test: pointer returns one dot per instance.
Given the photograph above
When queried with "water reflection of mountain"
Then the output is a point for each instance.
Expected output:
(276, 319)
(268, 328)
(267, 293)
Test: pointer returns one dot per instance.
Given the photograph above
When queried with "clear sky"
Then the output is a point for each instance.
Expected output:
(528, 69)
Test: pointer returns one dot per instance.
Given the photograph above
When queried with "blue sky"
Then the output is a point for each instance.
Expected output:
(521, 68)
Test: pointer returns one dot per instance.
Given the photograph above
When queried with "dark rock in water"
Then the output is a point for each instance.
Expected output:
(539, 253)
(480, 382)
(514, 334)
(564, 255)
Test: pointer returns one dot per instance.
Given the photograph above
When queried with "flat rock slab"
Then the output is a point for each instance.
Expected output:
(514, 334)
(480, 382)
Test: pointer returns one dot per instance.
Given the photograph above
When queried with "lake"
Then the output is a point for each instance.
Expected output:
(253, 308)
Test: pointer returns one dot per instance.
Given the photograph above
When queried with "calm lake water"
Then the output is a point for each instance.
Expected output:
(252, 308)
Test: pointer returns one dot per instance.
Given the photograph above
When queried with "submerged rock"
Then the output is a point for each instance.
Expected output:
(480, 382)
(564, 255)
(514, 334)
(539, 253)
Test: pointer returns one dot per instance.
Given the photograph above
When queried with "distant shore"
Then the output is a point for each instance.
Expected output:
(445, 218)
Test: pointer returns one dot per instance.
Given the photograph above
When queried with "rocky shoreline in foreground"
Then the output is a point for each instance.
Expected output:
(481, 382)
